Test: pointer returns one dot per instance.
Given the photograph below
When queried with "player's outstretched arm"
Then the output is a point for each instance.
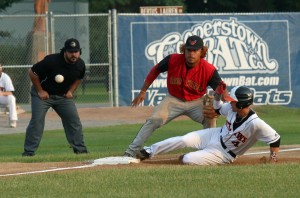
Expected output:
(274, 150)
(141, 97)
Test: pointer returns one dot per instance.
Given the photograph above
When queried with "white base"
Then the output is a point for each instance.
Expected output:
(115, 160)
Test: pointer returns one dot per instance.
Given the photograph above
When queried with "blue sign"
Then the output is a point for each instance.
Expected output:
(260, 51)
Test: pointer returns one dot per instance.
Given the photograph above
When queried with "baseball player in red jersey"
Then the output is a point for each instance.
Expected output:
(242, 129)
(189, 74)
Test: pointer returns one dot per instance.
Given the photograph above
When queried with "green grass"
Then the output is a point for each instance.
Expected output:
(261, 180)
(93, 93)
(165, 181)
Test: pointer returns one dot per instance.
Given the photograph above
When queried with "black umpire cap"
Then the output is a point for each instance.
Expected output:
(72, 45)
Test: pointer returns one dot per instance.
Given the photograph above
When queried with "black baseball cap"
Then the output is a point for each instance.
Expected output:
(72, 45)
(194, 42)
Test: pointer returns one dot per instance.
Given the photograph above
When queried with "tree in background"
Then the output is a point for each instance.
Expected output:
(198, 6)
(190, 6)
(221, 6)
(7, 3)
(3, 5)
(129, 6)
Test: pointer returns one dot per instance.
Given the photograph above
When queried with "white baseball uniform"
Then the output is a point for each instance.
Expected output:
(10, 100)
(220, 145)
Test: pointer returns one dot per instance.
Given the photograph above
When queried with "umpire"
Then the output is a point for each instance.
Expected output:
(54, 79)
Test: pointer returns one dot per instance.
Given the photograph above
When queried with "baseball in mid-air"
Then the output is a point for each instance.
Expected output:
(59, 78)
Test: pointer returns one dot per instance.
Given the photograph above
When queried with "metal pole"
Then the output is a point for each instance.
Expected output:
(115, 56)
(47, 34)
(52, 33)
(110, 70)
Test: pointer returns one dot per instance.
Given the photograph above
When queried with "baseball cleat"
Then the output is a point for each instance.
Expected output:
(12, 123)
(145, 153)
(26, 154)
(128, 155)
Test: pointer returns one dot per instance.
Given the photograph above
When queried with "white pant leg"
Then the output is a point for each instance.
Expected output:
(196, 139)
(167, 145)
(213, 155)
(10, 100)
(211, 151)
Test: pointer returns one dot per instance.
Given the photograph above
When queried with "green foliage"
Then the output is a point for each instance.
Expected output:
(9, 53)
(7, 3)
(98, 32)
(132, 6)
(198, 6)
(221, 6)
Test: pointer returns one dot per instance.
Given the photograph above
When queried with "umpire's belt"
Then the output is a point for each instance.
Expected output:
(56, 96)
(225, 148)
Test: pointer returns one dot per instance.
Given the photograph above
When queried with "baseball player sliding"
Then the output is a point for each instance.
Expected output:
(243, 128)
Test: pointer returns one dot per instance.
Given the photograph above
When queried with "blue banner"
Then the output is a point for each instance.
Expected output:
(260, 51)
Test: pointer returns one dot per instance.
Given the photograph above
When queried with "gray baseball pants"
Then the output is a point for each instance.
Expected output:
(169, 109)
(66, 110)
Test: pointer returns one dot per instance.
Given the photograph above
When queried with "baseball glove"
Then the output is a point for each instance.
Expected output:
(208, 109)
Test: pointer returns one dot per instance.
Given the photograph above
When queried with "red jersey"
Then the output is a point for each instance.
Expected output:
(183, 83)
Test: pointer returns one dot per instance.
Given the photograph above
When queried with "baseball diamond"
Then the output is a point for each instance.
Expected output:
(97, 117)
(258, 155)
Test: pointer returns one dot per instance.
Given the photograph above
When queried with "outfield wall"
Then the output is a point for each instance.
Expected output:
(261, 51)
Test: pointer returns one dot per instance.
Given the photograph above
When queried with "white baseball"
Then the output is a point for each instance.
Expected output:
(59, 78)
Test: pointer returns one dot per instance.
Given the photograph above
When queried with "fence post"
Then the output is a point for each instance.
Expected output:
(110, 69)
(115, 57)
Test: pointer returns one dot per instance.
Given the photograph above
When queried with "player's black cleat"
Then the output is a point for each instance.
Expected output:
(26, 154)
(81, 152)
(145, 153)
(128, 155)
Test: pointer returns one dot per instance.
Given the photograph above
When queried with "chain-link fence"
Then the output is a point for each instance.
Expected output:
(26, 39)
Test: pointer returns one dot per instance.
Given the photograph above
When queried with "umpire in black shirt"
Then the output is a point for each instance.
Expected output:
(48, 90)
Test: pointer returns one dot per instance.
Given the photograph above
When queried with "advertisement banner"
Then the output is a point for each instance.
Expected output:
(260, 51)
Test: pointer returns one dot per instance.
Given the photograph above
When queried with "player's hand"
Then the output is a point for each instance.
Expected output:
(220, 88)
(273, 157)
(43, 95)
(209, 112)
(69, 95)
(140, 98)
